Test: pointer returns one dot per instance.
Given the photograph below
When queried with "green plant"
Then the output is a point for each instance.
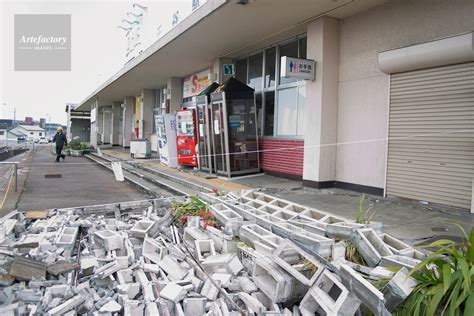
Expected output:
(445, 280)
(76, 144)
(363, 215)
(195, 207)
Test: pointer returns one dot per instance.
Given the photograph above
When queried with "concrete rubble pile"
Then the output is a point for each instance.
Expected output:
(269, 257)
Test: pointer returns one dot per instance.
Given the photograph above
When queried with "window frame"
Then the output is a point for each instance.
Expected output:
(277, 85)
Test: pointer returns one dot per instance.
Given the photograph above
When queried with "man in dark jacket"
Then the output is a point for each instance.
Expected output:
(60, 140)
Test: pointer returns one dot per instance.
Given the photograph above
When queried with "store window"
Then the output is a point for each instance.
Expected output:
(270, 66)
(255, 71)
(280, 101)
(241, 70)
(269, 113)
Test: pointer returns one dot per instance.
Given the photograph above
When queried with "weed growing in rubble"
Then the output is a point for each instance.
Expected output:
(445, 280)
(363, 215)
(195, 207)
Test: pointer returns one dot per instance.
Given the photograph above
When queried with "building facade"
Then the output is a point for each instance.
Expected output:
(390, 112)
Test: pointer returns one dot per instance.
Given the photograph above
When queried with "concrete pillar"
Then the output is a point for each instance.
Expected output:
(116, 128)
(175, 93)
(94, 129)
(146, 115)
(129, 103)
(319, 168)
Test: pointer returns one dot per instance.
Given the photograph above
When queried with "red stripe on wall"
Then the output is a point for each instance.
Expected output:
(282, 156)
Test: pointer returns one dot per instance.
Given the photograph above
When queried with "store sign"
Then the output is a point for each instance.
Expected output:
(194, 84)
(228, 69)
(297, 68)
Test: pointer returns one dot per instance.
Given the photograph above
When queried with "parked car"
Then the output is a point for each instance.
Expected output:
(21, 139)
(42, 140)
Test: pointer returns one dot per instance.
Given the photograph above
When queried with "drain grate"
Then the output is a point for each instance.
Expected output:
(53, 176)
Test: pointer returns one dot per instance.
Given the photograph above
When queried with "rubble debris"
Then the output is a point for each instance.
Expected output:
(246, 253)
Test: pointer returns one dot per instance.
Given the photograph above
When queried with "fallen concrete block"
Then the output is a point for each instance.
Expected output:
(398, 289)
(399, 261)
(329, 297)
(314, 214)
(111, 307)
(253, 305)
(132, 308)
(267, 302)
(342, 230)
(227, 262)
(67, 306)
(412, 253)
(223, 278)
(247, 285)
(194, 306)
(173, 292)
(251, 233)
(204, 249)
(297, 262)
(319, 244)
(171, 267)
(224, 214)
(283, 215)
(67, 237)
(153, 250)
(364, 290)
(191, 234)
(285, 229)
(118, 264)
(27, 269)
(370, 246)
(265, 198)
(130, 289)
(109, 240)
(394, 244)
(62, 267)
(272, 280)
(141, 228)
(379, 272)
(209, 290)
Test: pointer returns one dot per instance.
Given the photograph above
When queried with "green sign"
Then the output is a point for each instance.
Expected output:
(228, 69)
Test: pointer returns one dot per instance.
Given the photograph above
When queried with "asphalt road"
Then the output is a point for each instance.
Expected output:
(81, 182)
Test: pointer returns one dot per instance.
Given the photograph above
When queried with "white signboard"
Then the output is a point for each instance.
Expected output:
(297, 68)
(194, 84)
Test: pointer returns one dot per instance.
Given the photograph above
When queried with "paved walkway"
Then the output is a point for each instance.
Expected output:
(81, 182)
(412, 222)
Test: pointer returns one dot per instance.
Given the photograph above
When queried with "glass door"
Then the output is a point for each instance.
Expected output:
(219, 137)
(204, 136)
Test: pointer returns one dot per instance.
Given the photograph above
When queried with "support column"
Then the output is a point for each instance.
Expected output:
(319, 170)
(128, 124)
(175, 93)
(116, 128)
(146, 115)
(94, 129)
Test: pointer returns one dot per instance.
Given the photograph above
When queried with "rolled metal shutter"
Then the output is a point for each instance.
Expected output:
(431, 135)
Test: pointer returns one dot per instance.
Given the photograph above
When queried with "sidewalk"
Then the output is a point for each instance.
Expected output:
(405, 220)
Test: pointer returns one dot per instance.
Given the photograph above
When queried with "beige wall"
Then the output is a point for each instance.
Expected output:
(148, 101)
(363, 88)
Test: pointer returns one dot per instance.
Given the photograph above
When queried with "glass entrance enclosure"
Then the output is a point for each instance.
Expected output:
(203, 114)
(233, 129)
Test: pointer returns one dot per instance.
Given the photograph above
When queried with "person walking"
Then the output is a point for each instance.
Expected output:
(60, 140)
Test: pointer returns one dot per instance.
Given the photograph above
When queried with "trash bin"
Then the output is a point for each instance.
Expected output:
(140, 148)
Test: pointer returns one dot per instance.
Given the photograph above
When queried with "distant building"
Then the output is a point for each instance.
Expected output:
(28, 121)
(78, 123)
(42, 122)
(50, 129)
(31, 132)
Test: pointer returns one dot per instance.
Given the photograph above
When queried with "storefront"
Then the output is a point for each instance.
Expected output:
(280, 106)
(341, 129)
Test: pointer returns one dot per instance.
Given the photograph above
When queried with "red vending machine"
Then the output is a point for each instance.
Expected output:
(186, 137)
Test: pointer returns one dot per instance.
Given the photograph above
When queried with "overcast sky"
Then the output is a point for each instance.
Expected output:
(98, 51)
